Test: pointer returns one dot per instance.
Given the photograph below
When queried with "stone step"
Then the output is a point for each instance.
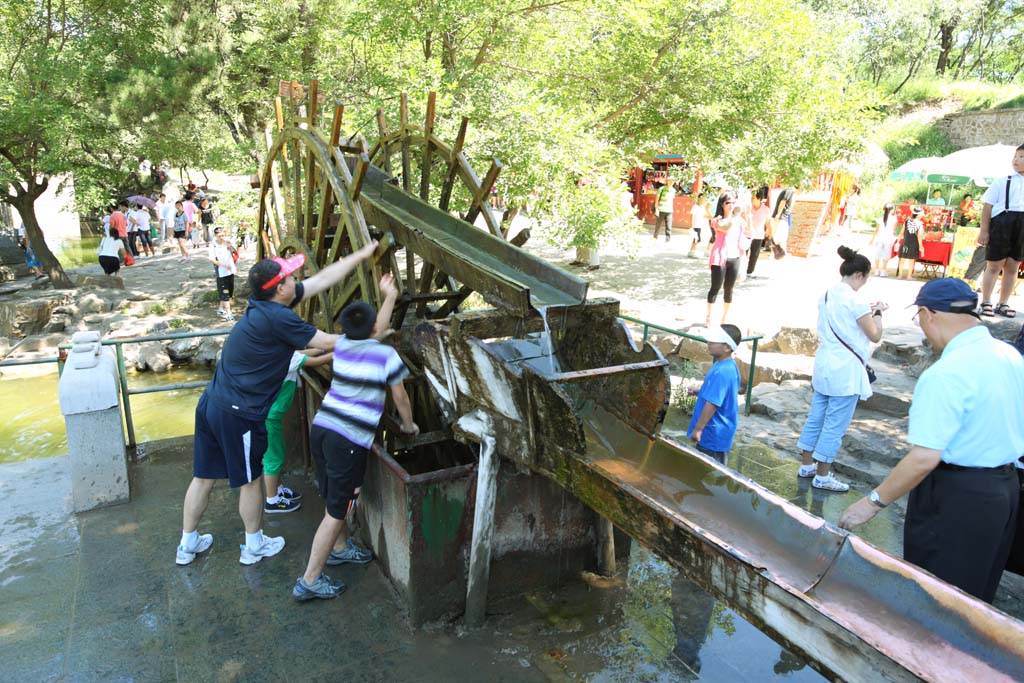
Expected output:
(893, 390)
(877, 437)
(860, 470)
(902, 345)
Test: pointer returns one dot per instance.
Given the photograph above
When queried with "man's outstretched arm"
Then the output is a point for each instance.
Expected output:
(337, 271)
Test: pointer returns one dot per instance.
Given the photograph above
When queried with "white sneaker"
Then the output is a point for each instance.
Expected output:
(829, 483)
(185, 556)
(271, 546)
(807, 471)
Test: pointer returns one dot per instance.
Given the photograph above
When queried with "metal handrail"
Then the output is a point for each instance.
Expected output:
(122, 371)
(648, 326)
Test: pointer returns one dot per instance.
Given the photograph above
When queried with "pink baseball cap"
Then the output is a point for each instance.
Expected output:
(288, 266)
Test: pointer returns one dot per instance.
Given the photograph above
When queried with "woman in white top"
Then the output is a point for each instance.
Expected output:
(847, 325)
(883, 239)
(222, 256)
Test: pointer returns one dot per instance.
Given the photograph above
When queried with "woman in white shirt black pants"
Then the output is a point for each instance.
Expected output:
(847, 325)
(221, 256)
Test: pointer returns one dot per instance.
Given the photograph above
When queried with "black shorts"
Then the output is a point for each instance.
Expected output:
(179, 234)
(226, 445)
(1006, 237)
(225, 287)
(110, 264)
(340, 468)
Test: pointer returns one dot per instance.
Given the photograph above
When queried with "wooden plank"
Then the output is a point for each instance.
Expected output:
(360, 176)
(428, 129)
(382, 131)
(339, 114)
(403, 127)
(314, 87)
(598, 373)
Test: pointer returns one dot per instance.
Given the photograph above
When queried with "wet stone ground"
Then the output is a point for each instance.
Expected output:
(97, 597)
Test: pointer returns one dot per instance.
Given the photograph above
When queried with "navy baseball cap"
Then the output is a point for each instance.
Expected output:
(948, 295)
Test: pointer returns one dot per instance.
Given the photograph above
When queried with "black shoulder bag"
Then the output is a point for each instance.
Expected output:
(828, 318)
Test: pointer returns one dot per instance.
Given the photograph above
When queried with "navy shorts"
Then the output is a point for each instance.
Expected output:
(226, 445)
(1006, 237)
(340, 469)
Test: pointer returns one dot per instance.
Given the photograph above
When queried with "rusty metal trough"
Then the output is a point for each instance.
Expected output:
(588, 420)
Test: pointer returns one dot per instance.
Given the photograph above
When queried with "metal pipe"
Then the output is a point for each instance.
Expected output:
(33, 361)
(167, 387)
(750, 377)
(123, 378)
(483, 531)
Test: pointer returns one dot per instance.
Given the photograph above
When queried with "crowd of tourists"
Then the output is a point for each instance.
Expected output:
(965, 468)
(134, 227)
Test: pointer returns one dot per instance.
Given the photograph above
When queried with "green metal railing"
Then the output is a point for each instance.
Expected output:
(648, 326)
(126, 391)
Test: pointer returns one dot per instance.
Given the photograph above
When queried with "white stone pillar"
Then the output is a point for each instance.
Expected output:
(89, 399)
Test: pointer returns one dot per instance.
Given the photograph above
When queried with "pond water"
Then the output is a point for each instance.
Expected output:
(34, 426)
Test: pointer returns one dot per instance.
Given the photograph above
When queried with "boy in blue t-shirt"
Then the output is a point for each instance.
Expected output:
(713, 425)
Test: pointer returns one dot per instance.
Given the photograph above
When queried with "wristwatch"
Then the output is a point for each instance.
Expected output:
(876, 501)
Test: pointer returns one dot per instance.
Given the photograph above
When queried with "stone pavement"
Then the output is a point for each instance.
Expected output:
(98, 597)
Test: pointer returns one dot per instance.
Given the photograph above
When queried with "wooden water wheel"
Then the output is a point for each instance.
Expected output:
(312, 201)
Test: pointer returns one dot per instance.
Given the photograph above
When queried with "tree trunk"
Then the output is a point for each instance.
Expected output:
(25, 204)
(947, 30)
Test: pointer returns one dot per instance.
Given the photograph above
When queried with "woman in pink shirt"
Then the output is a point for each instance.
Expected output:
(728, 226)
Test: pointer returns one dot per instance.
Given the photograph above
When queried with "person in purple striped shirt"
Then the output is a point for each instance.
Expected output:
(343, 431)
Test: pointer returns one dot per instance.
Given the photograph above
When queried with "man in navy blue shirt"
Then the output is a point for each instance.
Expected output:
(713, 425)
(230, 433)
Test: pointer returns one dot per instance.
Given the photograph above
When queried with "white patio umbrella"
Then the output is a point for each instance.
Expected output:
(916, 169)
(981, 164)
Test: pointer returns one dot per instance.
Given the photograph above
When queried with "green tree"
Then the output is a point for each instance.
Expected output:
(64, 65)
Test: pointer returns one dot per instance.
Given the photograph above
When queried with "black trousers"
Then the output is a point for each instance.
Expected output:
(960, 526)
(755, 251)
(723, 275)
(132, 246)
(666, 220)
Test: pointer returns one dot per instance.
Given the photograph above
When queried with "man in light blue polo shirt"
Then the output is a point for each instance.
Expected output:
(967, 430)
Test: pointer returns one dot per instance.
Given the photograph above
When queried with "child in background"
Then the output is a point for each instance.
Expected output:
(883, 239)
(713, 425)
(281, 498)
(700, 224)
(181, 231)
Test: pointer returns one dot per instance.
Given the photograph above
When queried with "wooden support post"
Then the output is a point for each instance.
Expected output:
(382, 132)
(314, 86)
(483, 531)
(339, 114)
(357, 181)
(453, 165)
(428, 130)
(403, 129)
(605, 545)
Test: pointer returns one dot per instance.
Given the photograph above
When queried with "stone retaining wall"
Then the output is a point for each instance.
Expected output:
(990, 127)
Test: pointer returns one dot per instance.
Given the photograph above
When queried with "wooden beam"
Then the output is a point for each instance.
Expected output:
(339, 114)
(382, 132)
(428, 129)
(481, 197)
(357, 181)
(312, 104)
(453, 165)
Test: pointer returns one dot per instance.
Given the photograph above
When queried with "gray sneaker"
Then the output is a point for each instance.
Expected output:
(351, 554)
(321, 588)
(829, 483)
(186, 555)
(271, 546)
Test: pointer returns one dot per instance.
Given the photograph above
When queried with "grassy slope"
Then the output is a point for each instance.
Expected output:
(910, 132)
